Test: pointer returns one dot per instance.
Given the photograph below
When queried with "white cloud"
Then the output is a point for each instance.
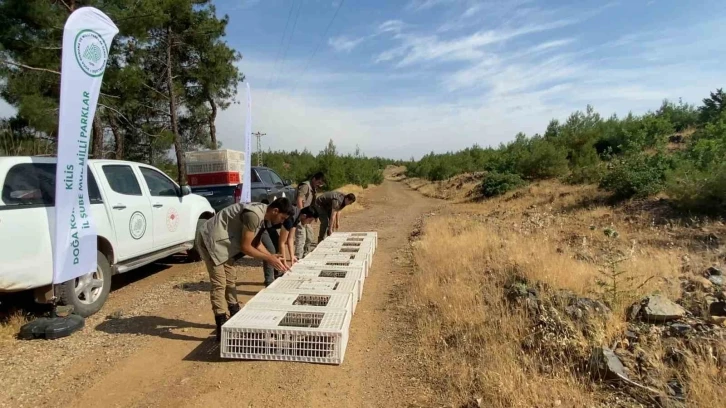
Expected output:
(416, 48)
(419, 5)
(344, 44)
(391, 26)
(552, 44)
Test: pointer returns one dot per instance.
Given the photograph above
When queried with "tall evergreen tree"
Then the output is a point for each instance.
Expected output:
(169, 72)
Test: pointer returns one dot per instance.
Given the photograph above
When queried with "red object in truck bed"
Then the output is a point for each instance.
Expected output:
(224, 177)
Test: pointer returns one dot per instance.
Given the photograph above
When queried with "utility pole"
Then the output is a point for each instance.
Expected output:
(259, 135)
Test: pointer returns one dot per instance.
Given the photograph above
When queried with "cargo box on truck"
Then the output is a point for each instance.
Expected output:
(214, 167)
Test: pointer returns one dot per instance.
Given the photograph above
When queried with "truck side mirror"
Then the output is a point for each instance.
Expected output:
(288, 182)
(185, 190)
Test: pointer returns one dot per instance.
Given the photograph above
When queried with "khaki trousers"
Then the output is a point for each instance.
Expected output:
(303, 240)
(223, 279)
(325, 221)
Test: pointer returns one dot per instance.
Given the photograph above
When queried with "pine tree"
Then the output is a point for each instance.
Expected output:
(168, 74)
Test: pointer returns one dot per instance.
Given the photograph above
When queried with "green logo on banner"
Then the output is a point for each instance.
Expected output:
(91, 52)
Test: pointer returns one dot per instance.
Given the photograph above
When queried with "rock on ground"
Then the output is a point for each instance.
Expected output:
(604, 364)
(658, 308)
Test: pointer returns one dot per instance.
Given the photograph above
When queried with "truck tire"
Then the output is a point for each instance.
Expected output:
(88, 293)
(193, 254)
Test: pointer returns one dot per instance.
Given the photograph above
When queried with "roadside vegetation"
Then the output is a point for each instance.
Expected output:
(678, 150)
(339, 169)
(517, 300)
(10, 324)
(582, 267)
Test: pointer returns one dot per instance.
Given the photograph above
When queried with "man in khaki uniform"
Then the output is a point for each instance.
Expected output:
(329, 206)
(306, 193)
(234, 230)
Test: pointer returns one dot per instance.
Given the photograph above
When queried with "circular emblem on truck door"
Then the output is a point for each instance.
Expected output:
(137, 225)
(172, 219)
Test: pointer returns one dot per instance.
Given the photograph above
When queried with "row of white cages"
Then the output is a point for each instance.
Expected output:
(354, 237)
(304, 315)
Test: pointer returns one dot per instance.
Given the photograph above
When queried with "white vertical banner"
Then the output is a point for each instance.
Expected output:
(87, 37)
(247, 176)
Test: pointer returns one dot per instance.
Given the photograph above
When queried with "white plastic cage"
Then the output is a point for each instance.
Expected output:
(368, 246)
(309, 271)
(349, 241)
(270, 300)
(222, 155)
(344, 250)
(215, 167)
(342, 254)
(319, 259)
(307, 335)
(355, 235)
(302, 284)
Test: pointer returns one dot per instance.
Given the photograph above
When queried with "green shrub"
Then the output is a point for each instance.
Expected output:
(495, 184)
(544, 160)
(586, 175)
(638, 175)
(696, 190)
(339, 170)
(682, 116)
(708, 144)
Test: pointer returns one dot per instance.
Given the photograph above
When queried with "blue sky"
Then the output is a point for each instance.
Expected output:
(403, 78)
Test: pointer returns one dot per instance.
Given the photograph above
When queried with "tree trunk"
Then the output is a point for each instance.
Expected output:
(181, 165)
(212, 127)
(97, 138)
(117, 137)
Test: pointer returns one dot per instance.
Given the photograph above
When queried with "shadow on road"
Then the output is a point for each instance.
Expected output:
(200, 286)
(125, 279)
(153, 326)
(207, 351)
(205, 287)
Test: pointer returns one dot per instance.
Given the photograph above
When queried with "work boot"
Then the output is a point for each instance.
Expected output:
(220, 319)
(233, 309)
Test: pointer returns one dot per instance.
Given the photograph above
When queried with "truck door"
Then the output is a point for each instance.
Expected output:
(273, 192)
(130, 210)
(285, 190)
(169, 213)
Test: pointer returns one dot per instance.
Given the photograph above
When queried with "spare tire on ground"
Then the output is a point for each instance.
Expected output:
(51, 328)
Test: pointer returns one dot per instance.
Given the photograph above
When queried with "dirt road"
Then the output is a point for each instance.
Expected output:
(157, 348)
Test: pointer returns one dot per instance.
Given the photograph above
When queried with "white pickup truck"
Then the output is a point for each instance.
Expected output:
(141, 216)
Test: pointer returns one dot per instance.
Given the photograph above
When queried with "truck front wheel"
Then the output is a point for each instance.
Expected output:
(89, 292)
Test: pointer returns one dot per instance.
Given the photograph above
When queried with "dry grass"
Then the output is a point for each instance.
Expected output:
(471, 339)
(394, 173)
(10, 325)
(458, 188)
(359, 192)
